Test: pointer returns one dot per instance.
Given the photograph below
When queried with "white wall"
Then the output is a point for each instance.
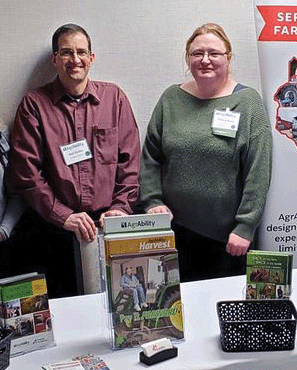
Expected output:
(138, 44)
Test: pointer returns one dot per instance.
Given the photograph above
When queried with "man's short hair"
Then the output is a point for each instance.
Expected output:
(68, 28)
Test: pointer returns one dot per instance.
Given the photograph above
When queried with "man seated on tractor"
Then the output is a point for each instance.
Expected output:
(131, 286)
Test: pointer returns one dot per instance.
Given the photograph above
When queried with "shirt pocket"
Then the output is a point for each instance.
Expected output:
(106, 144)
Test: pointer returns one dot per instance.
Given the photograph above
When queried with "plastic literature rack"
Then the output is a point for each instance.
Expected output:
(257, 325)
(142, 280)
(5, 341)
(25, 310)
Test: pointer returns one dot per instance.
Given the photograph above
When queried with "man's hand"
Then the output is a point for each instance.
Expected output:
(82, 225)
(112, 212)
(237, 246)
(160, 209)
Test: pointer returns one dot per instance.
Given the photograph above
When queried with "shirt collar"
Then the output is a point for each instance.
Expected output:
(90, 92)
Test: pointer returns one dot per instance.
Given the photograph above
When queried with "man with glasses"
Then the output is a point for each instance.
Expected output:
(75, 156)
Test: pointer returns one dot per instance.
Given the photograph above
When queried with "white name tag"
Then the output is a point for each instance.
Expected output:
(75, 152)
(225, 123)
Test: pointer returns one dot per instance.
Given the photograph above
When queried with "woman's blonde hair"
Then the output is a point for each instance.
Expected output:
(210, 28)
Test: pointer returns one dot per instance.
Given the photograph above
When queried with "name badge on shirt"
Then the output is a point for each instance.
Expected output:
(75, 152)
(225, 123)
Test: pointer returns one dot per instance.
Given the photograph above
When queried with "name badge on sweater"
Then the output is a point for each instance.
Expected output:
(75, 152)
(225, 123)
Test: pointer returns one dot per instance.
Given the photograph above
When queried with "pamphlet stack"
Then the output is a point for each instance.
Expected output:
(142, 279)
(25, 311)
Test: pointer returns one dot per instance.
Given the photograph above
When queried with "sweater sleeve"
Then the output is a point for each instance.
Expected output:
(13, 212)
(256, 172)
(12, 207)
(151, 163)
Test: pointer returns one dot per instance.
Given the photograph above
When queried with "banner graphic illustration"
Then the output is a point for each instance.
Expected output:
(276, 26)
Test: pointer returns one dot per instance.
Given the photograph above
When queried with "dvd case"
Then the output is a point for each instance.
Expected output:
(269, 274)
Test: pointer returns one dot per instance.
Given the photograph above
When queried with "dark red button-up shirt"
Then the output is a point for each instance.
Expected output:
(47, 119)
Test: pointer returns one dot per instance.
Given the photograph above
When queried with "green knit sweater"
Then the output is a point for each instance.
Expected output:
(213, 184)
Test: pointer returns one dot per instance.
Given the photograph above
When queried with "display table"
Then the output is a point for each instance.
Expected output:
(80, 327)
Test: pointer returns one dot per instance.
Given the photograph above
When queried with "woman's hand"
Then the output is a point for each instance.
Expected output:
(160, 209)
(237, 246)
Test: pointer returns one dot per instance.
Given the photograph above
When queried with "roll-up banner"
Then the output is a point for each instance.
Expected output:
(276, 26)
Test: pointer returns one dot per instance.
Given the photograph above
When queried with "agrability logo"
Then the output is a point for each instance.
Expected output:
(133, 225)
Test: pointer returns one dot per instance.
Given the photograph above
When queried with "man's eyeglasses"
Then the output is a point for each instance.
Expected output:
(212, 55)
(69, 53)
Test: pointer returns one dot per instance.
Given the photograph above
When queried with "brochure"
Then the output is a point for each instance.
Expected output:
(86, 362)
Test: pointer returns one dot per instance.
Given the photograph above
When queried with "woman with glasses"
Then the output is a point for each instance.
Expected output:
(207, 160)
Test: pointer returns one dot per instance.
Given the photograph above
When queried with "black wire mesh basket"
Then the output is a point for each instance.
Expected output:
(5, 341)
(257, 325)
